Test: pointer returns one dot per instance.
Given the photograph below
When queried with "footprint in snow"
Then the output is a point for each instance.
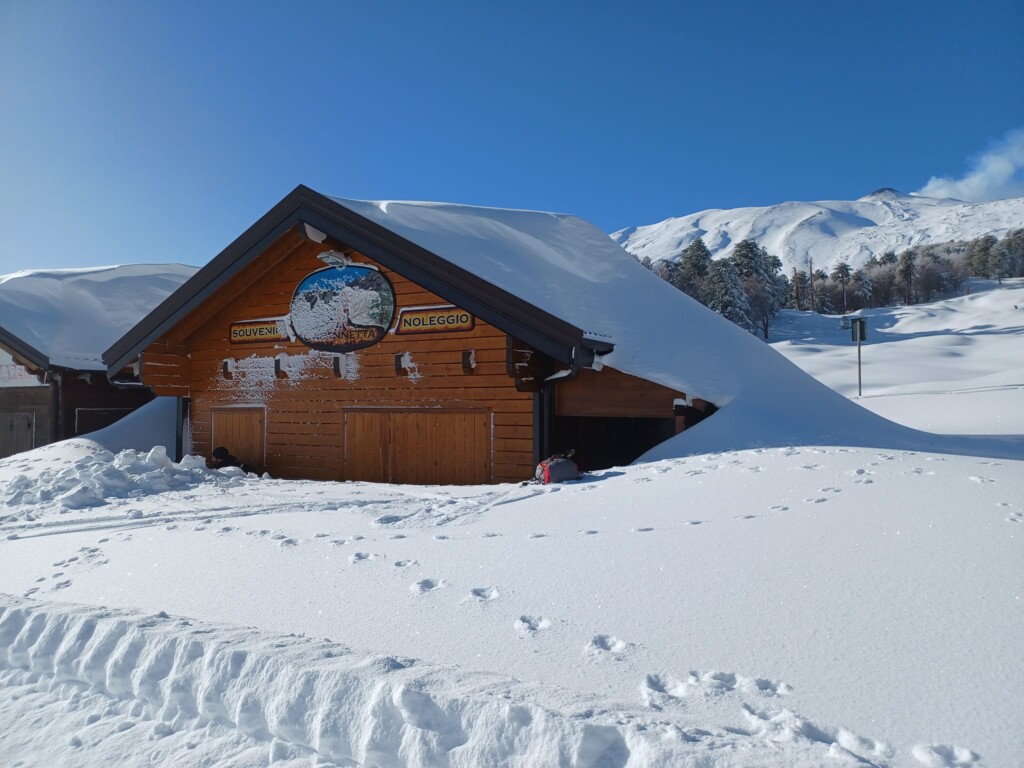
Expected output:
(983, 480)
(641, 530)
(358, 557)
(778, 508)
(600, 645)
(944, 756)
(483, 594)
(588, 532)
(405, 563)
(690, 522)
(818, 500)
(287, 542)
(423, 586)
(538, 536)
(528, 626)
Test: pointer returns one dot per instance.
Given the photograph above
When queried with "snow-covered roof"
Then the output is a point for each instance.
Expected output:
(69, 316)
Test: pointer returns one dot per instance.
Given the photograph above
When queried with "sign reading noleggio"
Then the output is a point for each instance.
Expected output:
(252, 331)
(433, 319)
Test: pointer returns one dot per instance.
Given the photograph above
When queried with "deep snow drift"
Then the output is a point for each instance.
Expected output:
(828, 231)
(785, 606)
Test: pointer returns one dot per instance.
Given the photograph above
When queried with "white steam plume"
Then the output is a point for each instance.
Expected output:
(995, 174)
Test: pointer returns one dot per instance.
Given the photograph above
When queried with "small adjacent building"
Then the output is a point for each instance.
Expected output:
(410, 343)
(54, 325)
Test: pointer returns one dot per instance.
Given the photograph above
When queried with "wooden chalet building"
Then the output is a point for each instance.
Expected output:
(344, 340)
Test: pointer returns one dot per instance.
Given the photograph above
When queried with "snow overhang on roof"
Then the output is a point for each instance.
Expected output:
(65, 318)
(481, 259)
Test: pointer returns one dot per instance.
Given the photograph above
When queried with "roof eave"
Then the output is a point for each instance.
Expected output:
(23, 352)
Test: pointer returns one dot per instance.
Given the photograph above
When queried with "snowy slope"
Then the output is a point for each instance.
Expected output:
(828, 231)
(954, 366)
(797, 606)
(72, 315)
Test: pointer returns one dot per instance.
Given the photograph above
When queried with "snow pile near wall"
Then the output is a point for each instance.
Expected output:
(97, 475)
(204, 694)
(152, 424)
(73, 315)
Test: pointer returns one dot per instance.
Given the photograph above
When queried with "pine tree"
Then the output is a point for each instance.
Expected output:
(694, 263)
(724, 293)
(998, 262)
(798, 290)
(862, 287)
(841, 274)
(905, 272)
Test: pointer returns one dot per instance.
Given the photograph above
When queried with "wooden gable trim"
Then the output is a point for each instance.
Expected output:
(24, 354)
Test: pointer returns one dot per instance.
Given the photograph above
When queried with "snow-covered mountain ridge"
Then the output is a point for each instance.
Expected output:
(828, 231)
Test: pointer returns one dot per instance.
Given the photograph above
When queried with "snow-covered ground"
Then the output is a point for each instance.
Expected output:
(952, 367)
(781, 606)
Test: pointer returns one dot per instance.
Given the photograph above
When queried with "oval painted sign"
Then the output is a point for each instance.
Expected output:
(340, 309)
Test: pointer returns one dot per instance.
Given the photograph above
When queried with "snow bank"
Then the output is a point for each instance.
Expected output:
(155, 423)
(290, 698)
(98, 475)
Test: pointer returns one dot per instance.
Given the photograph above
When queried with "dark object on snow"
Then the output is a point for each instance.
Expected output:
(558, 469)
(222, 457)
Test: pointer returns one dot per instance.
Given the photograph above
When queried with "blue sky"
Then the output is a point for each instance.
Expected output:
(153, 132)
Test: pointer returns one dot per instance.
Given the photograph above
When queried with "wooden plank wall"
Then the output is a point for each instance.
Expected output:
(305, 429)
(609, 393)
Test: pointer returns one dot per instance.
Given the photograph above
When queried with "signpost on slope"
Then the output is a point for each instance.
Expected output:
(860, 333)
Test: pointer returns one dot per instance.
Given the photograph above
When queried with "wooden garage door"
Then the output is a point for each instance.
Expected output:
(241, 431)
(418, 447)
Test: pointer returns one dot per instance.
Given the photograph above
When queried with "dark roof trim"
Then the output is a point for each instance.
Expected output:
(24, 351)
(507, 312)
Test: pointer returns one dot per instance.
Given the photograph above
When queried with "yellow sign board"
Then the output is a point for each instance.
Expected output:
(434, 320)
(255, 331)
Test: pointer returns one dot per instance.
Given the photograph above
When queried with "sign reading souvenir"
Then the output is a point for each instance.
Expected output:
(340, 309)
(251, 331)
(433, 319)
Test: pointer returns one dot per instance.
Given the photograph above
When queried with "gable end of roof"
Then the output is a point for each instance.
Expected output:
(549, 334)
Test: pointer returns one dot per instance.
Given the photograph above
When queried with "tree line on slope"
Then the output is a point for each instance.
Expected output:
(749, 287)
